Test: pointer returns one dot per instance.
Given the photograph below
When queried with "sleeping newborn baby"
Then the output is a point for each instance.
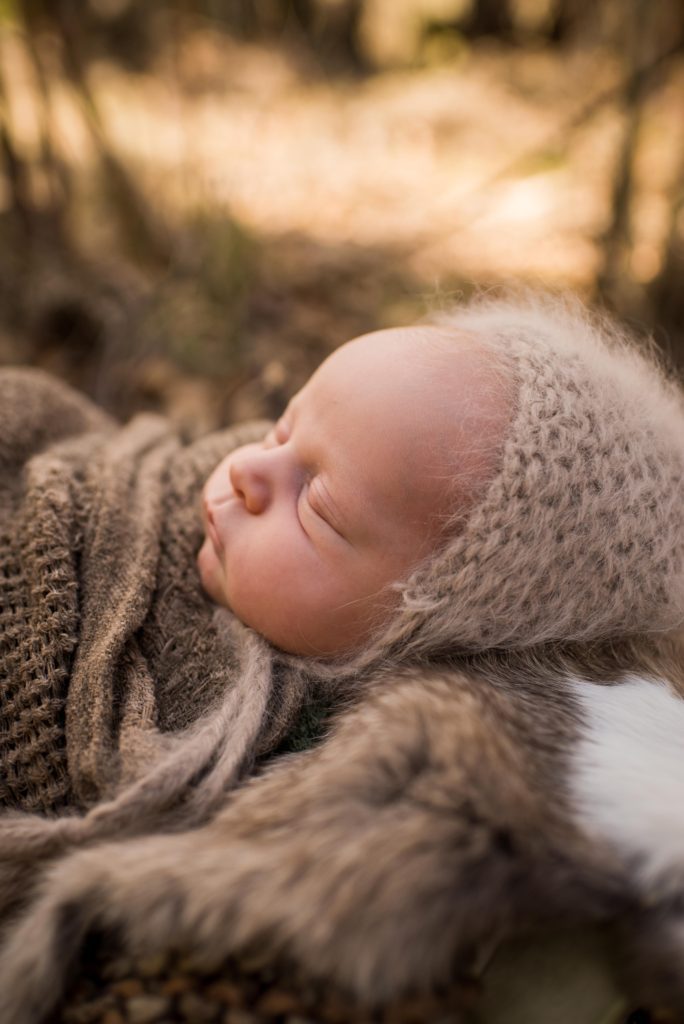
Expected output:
(372, 463)
(531, 442)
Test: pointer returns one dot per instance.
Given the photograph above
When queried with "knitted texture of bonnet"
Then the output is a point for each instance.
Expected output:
(579, 535)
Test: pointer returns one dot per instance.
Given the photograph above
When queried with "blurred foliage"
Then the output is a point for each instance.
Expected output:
(200, 198)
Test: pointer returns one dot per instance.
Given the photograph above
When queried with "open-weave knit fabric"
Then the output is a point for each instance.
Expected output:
(109, 650)
(39, 595)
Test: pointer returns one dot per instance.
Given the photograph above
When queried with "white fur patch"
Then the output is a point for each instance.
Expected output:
(628, 770)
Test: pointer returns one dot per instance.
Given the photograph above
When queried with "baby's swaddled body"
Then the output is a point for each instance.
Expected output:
(107, 642)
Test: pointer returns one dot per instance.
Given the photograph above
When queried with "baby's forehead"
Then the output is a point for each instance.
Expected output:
(422, 350)
(435, 381)
(417, 403)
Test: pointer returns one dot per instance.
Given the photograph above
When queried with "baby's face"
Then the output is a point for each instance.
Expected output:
(306, 531)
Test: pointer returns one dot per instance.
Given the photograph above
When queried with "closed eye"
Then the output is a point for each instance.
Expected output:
(315, 503)
(305, 509)
(308, 514)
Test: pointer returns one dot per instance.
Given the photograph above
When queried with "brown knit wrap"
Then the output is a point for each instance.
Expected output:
(38, 593)
(580, 534)
(109, 650)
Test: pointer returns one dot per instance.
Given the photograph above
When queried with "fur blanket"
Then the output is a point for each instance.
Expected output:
(436, 820)
(456, 804)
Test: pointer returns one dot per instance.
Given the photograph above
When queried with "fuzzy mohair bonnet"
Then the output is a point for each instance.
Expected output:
(579, 534)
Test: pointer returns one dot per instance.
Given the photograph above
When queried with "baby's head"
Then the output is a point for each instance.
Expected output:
(510, 475)
(369, 467)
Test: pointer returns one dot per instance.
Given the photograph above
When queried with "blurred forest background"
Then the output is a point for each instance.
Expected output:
(200, 198)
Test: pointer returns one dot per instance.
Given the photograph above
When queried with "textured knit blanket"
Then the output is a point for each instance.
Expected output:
(129, 701)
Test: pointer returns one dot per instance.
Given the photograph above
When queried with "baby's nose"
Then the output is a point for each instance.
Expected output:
(249, 479)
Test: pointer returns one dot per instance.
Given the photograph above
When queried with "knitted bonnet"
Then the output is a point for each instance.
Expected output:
(580, 533)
